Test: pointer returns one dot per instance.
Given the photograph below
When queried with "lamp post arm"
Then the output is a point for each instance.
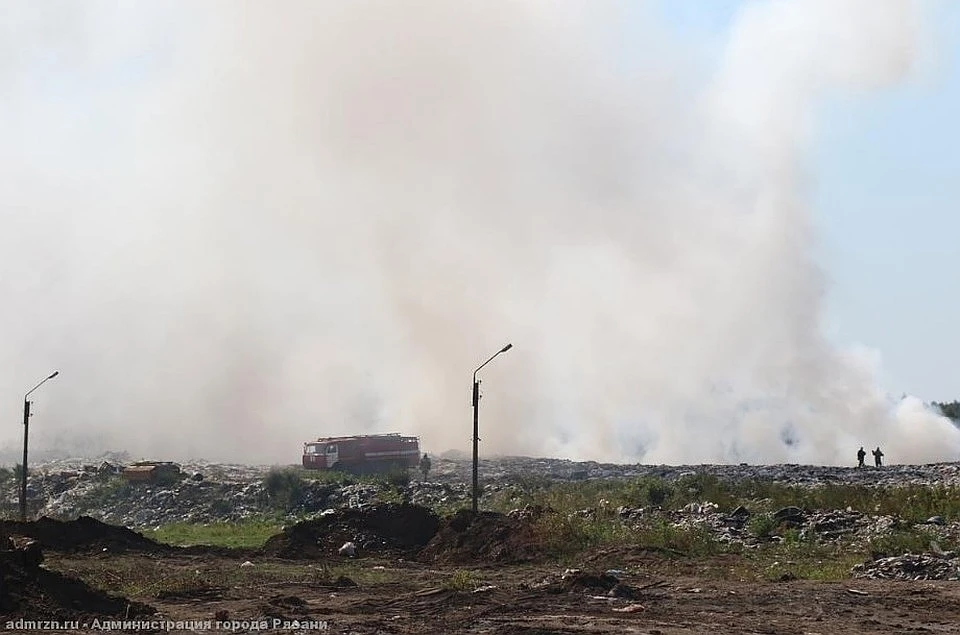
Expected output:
(484, 364)
(34, 388)
(45, 380)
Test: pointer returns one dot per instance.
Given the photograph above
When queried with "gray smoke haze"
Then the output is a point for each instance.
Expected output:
(234, 226)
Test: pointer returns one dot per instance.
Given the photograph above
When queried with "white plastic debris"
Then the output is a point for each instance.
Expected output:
(246, 563)
(349, 549)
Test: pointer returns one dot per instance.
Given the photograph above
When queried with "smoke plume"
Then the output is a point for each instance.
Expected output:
(235, 226)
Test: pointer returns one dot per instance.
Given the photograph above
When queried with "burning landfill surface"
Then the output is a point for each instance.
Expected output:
(91, 515)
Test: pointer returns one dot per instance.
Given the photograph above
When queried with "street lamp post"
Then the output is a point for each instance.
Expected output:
(476, 426)
(26, 434)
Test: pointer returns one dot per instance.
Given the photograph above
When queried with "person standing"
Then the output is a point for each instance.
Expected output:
(425, 466)
(860, 456)
(878, 457)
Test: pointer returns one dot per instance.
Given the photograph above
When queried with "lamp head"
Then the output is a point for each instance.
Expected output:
(506, 348)
(54, 374)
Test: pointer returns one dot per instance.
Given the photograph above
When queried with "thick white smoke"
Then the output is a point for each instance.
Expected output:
(235, 226)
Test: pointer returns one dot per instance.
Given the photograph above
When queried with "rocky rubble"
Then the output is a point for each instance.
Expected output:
(510, 468)
(206, 492)
(145, 505)
(910, 566)
(210, 492)
(822, 526)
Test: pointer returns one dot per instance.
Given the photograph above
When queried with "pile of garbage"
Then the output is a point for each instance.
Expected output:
(505, 468)
(910, 566)
(529, 512)
(431, 494)
(194, 501)
(208, 492)
(218, 493)
(455, 468)
(736, 526)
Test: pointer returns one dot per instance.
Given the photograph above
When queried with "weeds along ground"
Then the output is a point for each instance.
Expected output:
(912, 503)
(582, 519)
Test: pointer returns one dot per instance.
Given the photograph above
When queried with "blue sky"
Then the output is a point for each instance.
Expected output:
(885, 178)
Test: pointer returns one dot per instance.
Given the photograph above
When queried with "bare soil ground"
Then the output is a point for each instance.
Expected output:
(408, 597)
(469, 577)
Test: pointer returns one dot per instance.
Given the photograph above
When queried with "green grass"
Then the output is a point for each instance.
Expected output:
(567, 536)
(902, 541)
(326, 476)
(140, 577)
(251, 533)
(912, 503)
(762, 525)
(693, 541)
(285, 489)
(805, 565)
(396, 478)
(564, 535)
(462, 581)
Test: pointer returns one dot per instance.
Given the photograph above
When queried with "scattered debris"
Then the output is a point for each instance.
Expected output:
(599, 586)
(213, 492)
(909, 567)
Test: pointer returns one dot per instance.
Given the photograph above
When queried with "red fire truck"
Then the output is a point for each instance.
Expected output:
(362, 454)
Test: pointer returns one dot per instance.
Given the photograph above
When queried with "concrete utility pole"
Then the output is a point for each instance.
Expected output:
(476, 427)
(26, 434)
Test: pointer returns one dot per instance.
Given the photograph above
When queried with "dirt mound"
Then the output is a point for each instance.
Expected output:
(35, 593)
(83, 534)
(484, 537)
(379, 528)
